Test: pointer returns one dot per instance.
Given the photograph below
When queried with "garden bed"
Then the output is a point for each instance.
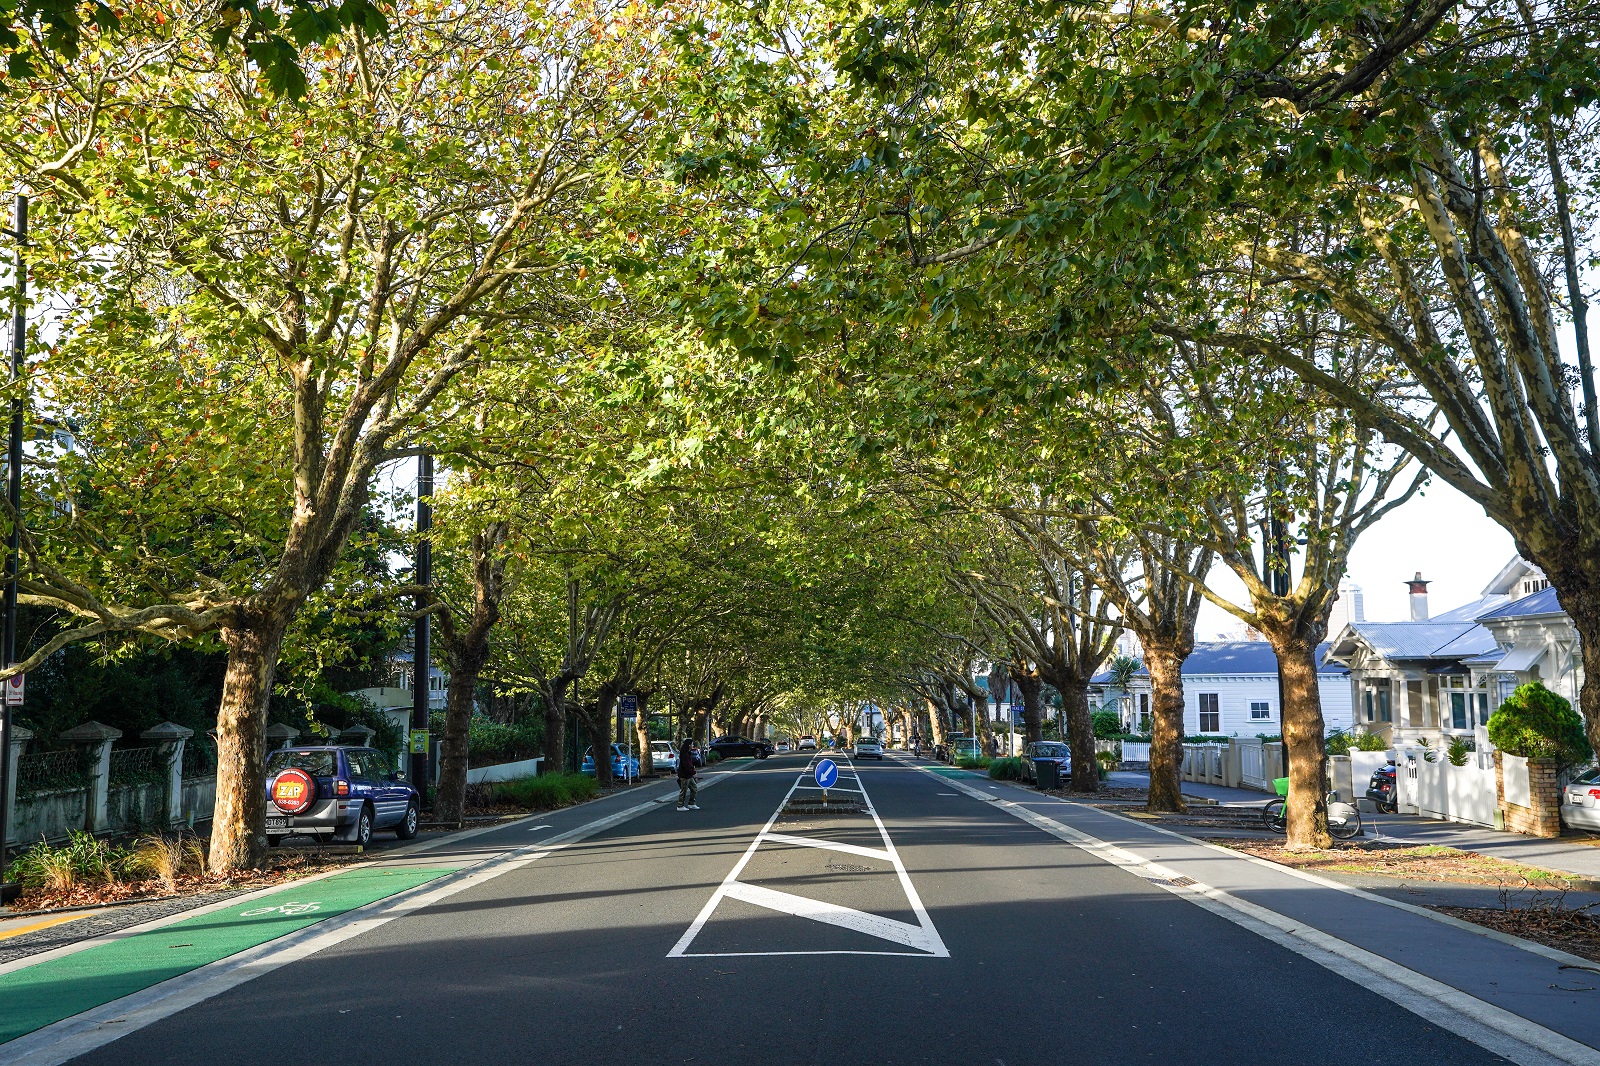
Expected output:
(1427, 862)
(1574, 930)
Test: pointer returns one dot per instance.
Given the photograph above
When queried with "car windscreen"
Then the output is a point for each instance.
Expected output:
(315, 763)
(1052, 751)
(1588, 777)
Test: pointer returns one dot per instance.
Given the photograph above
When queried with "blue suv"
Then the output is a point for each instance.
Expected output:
(337, 793)
(622, 764)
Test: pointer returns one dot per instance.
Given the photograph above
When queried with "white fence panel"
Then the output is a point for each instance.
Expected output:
(1518, 790)
(1132, 752)
(1471, 791)
(506, 771)
(1440, 790)
(1252, 767)
(1363, 764)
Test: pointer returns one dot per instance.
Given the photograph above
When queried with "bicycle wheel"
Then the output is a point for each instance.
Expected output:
(1344, 821)
(1273, 816)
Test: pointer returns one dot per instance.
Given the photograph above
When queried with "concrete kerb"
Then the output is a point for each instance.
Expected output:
(1500, 1031)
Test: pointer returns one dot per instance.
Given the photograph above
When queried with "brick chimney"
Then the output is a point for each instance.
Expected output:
(1419, 598)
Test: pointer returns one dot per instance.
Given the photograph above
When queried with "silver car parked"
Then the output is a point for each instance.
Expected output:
(1580, 801)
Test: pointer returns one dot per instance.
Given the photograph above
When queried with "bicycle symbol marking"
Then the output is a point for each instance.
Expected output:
(287, 909)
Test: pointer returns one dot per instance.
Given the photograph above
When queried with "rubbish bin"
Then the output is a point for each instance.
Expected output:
(1047, 774)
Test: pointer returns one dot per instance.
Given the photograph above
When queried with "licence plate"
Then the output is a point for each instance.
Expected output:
(1575, 799)
(279, 822)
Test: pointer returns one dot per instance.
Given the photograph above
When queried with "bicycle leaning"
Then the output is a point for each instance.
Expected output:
(1344, 821)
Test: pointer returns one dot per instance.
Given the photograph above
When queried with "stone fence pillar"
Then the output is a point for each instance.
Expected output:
(98, 738)
(169, 739)
(20, 735)
(1542, 817)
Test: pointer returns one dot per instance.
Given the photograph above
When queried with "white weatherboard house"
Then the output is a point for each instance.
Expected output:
(1230, 688)
(1435, 678)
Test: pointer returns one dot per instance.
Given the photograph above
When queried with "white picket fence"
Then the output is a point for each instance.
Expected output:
(1438, 789)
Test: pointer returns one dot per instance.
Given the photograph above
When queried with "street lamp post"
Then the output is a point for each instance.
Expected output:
(8, 638)
(421, 656)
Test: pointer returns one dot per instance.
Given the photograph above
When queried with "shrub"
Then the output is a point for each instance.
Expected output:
(1107, 725)
(1535, 723)
(82, 860)
(1371, 742)
(1007, 769)
(547, 791)
(488, 739)
(1458, 751)
(1338, 744)
(167, 858)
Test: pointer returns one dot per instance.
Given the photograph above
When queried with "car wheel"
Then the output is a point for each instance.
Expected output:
(362, 832)
(408, 825)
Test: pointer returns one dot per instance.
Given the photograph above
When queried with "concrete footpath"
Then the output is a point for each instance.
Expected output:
(1566, 855)
(1509, 981)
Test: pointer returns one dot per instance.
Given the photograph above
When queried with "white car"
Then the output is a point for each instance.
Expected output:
(869, 748)
(783, 746)
(807, 743)
(663, 756)
(1580, 801)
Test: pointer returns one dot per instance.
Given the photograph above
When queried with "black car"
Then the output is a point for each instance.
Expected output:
(737, 747)
(1381, 789)
(1046, 751)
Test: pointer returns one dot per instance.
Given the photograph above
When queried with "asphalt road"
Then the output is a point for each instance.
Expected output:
(1025, 950)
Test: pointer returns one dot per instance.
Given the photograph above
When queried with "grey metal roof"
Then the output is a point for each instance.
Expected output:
(1471, 612)
(1542, 602)
(1223, 657)
(1425, 640)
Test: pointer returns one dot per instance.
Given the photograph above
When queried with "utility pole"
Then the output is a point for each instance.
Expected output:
(421, 657)
(8, 640)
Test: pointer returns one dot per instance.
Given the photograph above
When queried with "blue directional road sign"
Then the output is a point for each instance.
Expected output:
(827, 773)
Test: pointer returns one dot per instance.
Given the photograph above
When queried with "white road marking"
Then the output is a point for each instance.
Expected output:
(927, 941)
(1508, 1035)
(536, 828)
(811, 842)
(56, 1044)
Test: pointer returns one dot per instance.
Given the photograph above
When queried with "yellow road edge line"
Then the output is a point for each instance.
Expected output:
(59, 919)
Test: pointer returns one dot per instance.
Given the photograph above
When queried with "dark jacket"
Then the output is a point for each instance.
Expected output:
(686, 760)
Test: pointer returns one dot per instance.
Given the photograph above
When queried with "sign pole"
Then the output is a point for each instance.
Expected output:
(421, 654)
(8, 640)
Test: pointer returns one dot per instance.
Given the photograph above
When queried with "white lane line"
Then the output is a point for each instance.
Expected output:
(536, 828)
(1508, 1035)
(812, 842)
(930, 944)
(829, 914)
(69, 1038)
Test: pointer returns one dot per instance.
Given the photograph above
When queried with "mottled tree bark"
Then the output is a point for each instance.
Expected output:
(238, 837)
(1166, 734)
(1303, 740)
(1080, 733)
(1030, 686)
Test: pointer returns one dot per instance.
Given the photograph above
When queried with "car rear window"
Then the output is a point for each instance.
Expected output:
(1052, 751)
(1587, 777)
(315, 763)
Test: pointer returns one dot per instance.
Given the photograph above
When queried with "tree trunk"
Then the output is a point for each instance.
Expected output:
(238, 821)
(555, 727)
(450, 802)
(1080, 734)
(1584, 610)
(598, 726)
(1030, 686)
(641, 730)
(1305, 742)
(1166, 735)
(936, 724)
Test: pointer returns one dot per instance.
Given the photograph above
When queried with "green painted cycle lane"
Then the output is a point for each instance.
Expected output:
(50, 991)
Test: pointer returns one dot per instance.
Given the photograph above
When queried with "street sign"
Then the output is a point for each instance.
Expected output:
(419, 742)
(827, 773)
(628, 706)
(14, 687)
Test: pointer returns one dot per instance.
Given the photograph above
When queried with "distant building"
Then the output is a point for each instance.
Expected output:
(1349, 607)
(1439, 676)
(1230, 688)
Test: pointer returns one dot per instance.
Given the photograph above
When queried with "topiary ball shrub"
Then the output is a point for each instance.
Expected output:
(1107, 724)
(1535, 723)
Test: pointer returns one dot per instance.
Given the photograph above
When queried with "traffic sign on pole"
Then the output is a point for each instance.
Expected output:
(628, 706)
(14, 690)
(827, 774)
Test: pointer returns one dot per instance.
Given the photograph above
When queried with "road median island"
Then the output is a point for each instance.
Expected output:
(58, 988)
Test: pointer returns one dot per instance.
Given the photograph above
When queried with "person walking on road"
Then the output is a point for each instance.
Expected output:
(686, 785)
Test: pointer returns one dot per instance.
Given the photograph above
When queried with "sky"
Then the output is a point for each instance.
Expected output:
(1439, 532)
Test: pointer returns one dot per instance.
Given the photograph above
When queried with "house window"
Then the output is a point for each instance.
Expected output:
(1260, 711)
(1459, 718)
(1483, 708)
(1368, 695)
(1144, 712)
(1210, 713)
(1385, 711)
